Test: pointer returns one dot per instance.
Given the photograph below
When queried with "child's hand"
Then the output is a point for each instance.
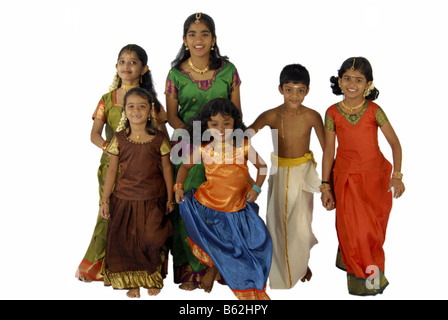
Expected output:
(328, 200)
(104, 211)
(251, 195)
(397, 186)
(179, 195)
(169, 206)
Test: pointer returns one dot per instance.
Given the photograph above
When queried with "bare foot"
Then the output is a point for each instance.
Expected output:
(209, 278)
(134, 293)
(153, 291)
(307, 276)
(188, 286)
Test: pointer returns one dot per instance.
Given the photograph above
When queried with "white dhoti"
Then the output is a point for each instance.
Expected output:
(292, 183)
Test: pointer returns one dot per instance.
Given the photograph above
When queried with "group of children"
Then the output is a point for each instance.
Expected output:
(138, 188)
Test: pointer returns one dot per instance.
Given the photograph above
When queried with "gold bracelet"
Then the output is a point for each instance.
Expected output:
(397, 175)
(171, 201)
(105, 145)
(325, 187)
(105, 202)
(178, 186)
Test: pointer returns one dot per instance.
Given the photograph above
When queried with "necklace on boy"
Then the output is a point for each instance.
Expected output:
(196, 69)
(127, 88)
(352, 108)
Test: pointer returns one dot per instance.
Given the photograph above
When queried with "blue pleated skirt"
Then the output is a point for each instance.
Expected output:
(238, 243)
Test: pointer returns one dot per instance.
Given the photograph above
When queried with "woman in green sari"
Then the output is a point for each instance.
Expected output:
(132, 71)
(199, 73)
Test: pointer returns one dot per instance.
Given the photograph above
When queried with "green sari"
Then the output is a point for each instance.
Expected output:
(192, 95)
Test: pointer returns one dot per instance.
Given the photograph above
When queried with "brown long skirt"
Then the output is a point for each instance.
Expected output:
(135, 248)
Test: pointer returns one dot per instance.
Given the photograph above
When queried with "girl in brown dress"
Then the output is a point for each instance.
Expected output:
(138, 202)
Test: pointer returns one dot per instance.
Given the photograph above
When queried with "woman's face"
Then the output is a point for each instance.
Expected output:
(199, 39)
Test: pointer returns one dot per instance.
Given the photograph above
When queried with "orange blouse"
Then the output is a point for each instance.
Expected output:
(227, 178)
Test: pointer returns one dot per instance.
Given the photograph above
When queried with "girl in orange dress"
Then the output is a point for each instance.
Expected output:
(359, 181)
(221, 217)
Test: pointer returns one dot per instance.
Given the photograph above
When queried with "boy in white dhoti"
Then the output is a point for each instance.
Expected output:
(293, 179)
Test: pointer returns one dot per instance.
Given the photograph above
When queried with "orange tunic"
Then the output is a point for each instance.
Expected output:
(214, 193)
(361, 175)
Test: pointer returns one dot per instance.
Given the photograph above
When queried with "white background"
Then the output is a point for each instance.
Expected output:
(58, 58)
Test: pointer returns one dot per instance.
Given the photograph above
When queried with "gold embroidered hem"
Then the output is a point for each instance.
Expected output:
(372, 285)
(202, 256)
(251, 294)
(367, 287)
(134, 279)
(90, 270)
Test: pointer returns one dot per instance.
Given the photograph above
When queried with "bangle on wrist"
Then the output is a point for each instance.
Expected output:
(397, 175)
(171, 201)
(105, 145)
(178, 186)
(104, 202)
(256, 188)
(325, 187)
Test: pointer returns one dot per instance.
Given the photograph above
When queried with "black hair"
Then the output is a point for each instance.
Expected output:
(216, 60)
(219, 105)
(295, 73)
(363, 66)
(146, 80)
(145, 94)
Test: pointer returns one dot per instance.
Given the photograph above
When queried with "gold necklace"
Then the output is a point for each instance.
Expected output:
(352, 108)
(195, 69)
(127, 88)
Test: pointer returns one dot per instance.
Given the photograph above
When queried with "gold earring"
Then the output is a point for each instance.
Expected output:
(213, 47)
(186, 48)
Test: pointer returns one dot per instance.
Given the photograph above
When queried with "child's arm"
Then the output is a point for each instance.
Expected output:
(327, 196)
(259, 123)
(319, 129)
(394, 143)
(235, 97)
(262, 169)
(96, 133)
(167, 171)
(108, 186)
(195, 157)
(172, 113)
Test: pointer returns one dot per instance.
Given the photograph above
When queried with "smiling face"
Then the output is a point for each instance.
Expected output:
(199, 39)
(137, 109)
(353, 84)
(129, 67)
(294, 93)
(221, 127)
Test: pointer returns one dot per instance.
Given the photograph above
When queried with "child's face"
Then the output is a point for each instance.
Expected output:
(221, 127)
(199, 39)
(294, 93)
(137, 109)
(353, 84)
(129, 67)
